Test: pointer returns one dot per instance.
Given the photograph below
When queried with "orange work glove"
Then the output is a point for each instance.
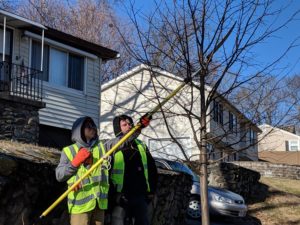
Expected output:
(145, 121)
(80, 157)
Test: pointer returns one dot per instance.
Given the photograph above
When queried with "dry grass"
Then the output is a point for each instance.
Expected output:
(285, 185)
(282, 205)
(30, 152)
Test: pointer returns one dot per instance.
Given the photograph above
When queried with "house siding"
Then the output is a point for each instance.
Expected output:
(64, 105)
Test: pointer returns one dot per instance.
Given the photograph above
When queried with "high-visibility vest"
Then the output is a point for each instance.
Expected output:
(117, 175)
(94, 188)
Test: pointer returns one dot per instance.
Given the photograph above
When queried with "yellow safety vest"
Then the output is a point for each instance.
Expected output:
(117, 175)
(94, 187)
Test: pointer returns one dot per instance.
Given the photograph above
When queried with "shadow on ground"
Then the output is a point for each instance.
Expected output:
(220, 220)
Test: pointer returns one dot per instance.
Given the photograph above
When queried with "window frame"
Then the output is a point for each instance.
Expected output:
(68, 52)
(290, 145)
(252, 138)
(218, 112)
(232, 122)
(11, 44)
(45, 64)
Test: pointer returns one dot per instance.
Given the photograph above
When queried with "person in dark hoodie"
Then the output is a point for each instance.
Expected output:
(87, 202)
(133, 177)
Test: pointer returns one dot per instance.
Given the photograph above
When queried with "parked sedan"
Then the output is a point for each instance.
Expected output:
(221, 201)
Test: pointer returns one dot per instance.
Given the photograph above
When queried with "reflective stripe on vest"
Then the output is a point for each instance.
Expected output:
(117, 174)
(87, 199)
(94, 188)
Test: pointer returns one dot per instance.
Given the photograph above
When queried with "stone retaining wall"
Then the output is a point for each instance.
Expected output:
(267, 169)
(27, 189)
(235, 178)
(19, 122)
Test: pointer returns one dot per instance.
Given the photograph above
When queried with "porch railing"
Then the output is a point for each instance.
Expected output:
(21, 81)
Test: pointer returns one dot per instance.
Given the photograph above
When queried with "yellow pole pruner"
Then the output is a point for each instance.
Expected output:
(115, 147)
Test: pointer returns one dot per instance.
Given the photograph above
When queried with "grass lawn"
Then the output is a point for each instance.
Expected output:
(282, 204)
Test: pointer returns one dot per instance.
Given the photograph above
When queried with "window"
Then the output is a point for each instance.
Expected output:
(218, 112)
(8, 40)
(293, 145)
(232, 123)
(59, 67)
(76, 71)
(36, 59)
(251, 135)
(235, 156)
(5, 71)
(210, 151)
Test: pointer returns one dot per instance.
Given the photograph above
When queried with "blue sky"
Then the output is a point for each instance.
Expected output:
(274, 46)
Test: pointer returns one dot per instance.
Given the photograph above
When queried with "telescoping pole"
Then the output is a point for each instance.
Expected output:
(114, 148)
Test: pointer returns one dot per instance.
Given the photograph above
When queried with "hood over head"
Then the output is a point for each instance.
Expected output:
(77, 131)
(116, 124)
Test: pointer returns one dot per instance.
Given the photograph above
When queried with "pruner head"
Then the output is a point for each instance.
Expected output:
(187, 80)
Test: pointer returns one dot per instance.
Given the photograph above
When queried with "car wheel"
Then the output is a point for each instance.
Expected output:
(194, 209)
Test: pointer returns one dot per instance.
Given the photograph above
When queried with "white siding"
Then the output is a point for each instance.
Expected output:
(65, 105)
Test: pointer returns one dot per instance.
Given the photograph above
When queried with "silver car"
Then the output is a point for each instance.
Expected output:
(221, 201)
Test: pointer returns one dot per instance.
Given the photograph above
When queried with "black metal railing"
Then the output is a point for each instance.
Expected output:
(21, 81)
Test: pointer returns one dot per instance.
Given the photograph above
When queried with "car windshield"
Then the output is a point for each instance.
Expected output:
(180, 167)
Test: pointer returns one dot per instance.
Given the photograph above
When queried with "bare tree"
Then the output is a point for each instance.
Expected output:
(217, 38)
(293, 90)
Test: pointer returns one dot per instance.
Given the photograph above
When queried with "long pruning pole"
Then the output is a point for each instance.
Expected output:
(114, 148)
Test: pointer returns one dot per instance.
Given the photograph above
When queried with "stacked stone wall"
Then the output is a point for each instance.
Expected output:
(235, 178)
(267, 169)
(19, 122)
(27, 189)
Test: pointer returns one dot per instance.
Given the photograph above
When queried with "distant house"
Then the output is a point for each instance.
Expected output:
(278, 145)
(134, 94)
(47, 97)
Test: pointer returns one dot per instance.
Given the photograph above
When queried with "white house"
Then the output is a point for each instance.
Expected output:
(231, 135)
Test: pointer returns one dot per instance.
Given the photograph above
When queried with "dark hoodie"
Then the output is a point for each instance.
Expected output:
(134, 178)
(65, 169)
